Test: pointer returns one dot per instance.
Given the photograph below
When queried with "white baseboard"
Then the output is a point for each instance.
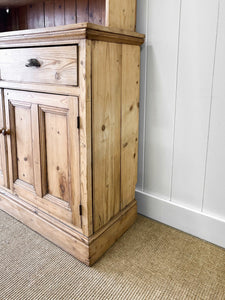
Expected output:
(190, 221)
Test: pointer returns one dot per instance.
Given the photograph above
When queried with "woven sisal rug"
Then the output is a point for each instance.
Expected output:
(150, 261)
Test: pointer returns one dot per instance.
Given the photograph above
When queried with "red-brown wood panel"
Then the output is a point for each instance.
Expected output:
(22, 17)
(3, 20)
(70, 12)
(35, 15)
(49, 13)
(13, 19)
(97, 11)
(59, 12)
(82, 11)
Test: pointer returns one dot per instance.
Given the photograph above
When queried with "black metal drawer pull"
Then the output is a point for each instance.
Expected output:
(33, 62)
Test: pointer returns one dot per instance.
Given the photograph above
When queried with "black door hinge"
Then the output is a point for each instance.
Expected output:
(80, 209)
(78, 122)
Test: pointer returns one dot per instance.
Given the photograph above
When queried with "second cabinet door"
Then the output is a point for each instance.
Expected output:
(43, 149)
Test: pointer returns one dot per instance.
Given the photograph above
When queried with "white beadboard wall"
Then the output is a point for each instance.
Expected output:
(181, 171)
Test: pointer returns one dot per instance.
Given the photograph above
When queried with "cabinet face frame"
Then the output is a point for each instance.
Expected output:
(4, 175)
(37, 109)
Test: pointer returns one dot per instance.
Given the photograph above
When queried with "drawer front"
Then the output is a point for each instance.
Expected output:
(52, 65)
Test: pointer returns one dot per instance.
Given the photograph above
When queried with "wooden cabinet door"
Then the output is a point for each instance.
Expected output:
(3, 147)
(43, 147)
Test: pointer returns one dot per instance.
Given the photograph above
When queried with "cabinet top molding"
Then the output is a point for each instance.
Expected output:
(68, 34)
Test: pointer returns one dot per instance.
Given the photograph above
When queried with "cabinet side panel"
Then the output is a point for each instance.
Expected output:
(121, 14)
(129, 125)
(106, 99)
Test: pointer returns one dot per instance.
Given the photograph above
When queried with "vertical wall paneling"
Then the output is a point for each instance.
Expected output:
(197, 45)
(70, 12)
(142, 23)
(213, 202)
(162, 50)
(22, 17)
(82, 11)
(14, 19)
(49, 13)
(96, 8)
(184, 140)
(59, 12)
(35, 15)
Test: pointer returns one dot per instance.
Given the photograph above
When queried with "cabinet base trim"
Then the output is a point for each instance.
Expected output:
(87, 250)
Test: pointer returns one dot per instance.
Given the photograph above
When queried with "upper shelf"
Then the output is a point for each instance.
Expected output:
(111, 13)
(15, 3)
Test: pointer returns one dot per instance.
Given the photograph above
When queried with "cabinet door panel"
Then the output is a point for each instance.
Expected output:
(43, 149)
(57, 155)
(23, 141)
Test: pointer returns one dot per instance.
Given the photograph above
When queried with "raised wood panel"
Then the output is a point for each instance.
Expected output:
(195, 75)
(106, 109)
(43, 152)
(57, 156)
(24, 150)
(129, 122)
(58, 65)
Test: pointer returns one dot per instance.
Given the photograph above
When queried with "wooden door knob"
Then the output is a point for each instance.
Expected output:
(5, 132)
(1, 130)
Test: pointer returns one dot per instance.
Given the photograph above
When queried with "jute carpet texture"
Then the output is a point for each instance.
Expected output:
(150, 261)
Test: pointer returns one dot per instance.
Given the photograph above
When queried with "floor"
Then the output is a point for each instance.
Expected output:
(150, 261)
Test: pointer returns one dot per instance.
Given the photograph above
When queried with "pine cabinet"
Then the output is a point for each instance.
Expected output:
(69, 107)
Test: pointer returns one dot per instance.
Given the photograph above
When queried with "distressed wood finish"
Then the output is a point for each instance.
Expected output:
(58, 65)
(68, 164)
(45, 169)
(129, 124)
(106, 71)
(121, 14)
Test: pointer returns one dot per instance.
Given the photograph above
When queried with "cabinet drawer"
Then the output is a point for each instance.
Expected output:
(54, 65)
